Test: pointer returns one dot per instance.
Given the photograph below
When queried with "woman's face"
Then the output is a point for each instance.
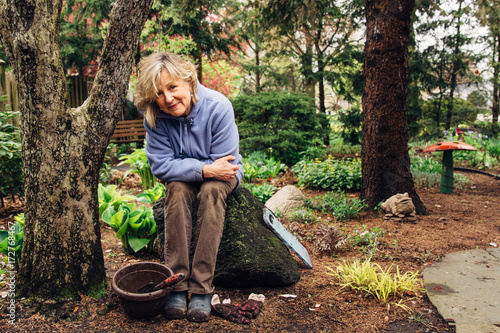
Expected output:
(174, 97)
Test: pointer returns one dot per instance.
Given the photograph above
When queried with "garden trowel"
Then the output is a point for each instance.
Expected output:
(151, 286)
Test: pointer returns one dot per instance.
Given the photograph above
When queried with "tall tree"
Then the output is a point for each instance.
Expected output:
(489, 14)
(80, 34)
(208, 32)
(458, 65)
(255, 41)
(384, 148)
(63, 148)
(320, 33)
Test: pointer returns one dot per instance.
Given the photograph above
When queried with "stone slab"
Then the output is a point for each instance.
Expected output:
(465, 288)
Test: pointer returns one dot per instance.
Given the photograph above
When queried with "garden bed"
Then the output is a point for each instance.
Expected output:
(467, 219)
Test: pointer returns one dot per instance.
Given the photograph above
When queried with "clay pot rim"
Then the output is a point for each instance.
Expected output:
(140, 297)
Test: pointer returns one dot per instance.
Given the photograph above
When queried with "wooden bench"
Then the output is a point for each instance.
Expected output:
(129, 131)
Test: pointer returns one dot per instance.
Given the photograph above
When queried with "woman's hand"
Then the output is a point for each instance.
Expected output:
(221, 169)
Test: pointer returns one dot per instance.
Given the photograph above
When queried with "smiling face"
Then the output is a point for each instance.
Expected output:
(174, 97)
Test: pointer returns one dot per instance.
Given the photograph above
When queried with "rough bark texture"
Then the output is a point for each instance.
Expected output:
(250, 255)
(496, 91)
(385, 158)
(63, 148)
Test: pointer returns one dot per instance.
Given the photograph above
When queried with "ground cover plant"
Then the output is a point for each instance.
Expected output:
(11, 164)
(329, 174)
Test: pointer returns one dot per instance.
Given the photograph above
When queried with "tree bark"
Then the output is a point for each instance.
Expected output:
(496, 90)
(63, 148)
(385, 158)
(455, 69)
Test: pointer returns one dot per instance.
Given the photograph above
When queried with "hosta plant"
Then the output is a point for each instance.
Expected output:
(11, 242)
(109, 196)
(264, 192)
(139, 163)
(135, 228)
(153, 194)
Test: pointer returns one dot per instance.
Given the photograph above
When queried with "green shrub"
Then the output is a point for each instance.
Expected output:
(330, 174)
(281, 124)
(351, 129)
(426, 164)
(493, 149)
(11, 162)
(337, 151)
(338, 204)
(257, 165)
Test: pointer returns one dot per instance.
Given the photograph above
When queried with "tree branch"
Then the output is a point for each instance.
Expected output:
(117, 58)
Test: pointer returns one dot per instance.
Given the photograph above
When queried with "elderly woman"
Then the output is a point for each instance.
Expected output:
(193, 146)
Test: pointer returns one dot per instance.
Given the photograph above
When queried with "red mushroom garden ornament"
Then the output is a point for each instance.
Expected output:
(447, 180)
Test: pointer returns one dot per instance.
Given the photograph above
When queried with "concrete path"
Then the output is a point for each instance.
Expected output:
(465, 288)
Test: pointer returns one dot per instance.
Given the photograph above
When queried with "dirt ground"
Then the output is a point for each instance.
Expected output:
(467, 219)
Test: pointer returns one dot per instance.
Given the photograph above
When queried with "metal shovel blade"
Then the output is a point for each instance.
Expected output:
(151, 286)
(286, 237)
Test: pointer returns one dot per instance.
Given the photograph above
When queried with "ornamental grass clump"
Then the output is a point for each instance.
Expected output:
(371, 279)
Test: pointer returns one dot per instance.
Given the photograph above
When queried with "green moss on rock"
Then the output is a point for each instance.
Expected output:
(250, 255)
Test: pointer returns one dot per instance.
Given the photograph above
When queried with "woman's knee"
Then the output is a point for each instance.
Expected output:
(178, 191)
(213, 190)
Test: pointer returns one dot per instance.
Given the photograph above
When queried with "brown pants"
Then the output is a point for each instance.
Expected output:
(211, 195)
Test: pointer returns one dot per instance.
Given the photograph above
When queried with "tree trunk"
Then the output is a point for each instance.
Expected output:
(496, 90)
(258, 88)
(455, 69)
(385, 158)
(63, 148)
(199, 63)
(307, 70)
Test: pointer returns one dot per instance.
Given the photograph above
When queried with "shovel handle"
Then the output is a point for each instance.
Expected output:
(170, 281)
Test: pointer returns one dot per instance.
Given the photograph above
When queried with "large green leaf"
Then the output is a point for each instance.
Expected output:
(137, 243)
(108, 214)
(124, 225)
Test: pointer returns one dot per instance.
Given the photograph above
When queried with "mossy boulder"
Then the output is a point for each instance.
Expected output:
(250, 255)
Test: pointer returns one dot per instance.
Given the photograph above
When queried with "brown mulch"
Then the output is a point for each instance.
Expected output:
(467, 219)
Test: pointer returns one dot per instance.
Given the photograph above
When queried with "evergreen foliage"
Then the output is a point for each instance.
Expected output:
(351, 119)
(282, 124)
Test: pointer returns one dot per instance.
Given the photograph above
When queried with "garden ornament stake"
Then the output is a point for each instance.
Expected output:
(447, 180)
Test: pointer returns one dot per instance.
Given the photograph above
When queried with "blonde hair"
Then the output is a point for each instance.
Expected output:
(150, 69)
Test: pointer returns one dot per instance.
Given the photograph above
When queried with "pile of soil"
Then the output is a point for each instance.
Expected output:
(467, 219)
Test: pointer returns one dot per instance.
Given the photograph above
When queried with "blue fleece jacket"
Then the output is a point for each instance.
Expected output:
(178, 147)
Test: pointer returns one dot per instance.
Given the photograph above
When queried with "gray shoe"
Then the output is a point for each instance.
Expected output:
(175, 306)
(199, 308)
